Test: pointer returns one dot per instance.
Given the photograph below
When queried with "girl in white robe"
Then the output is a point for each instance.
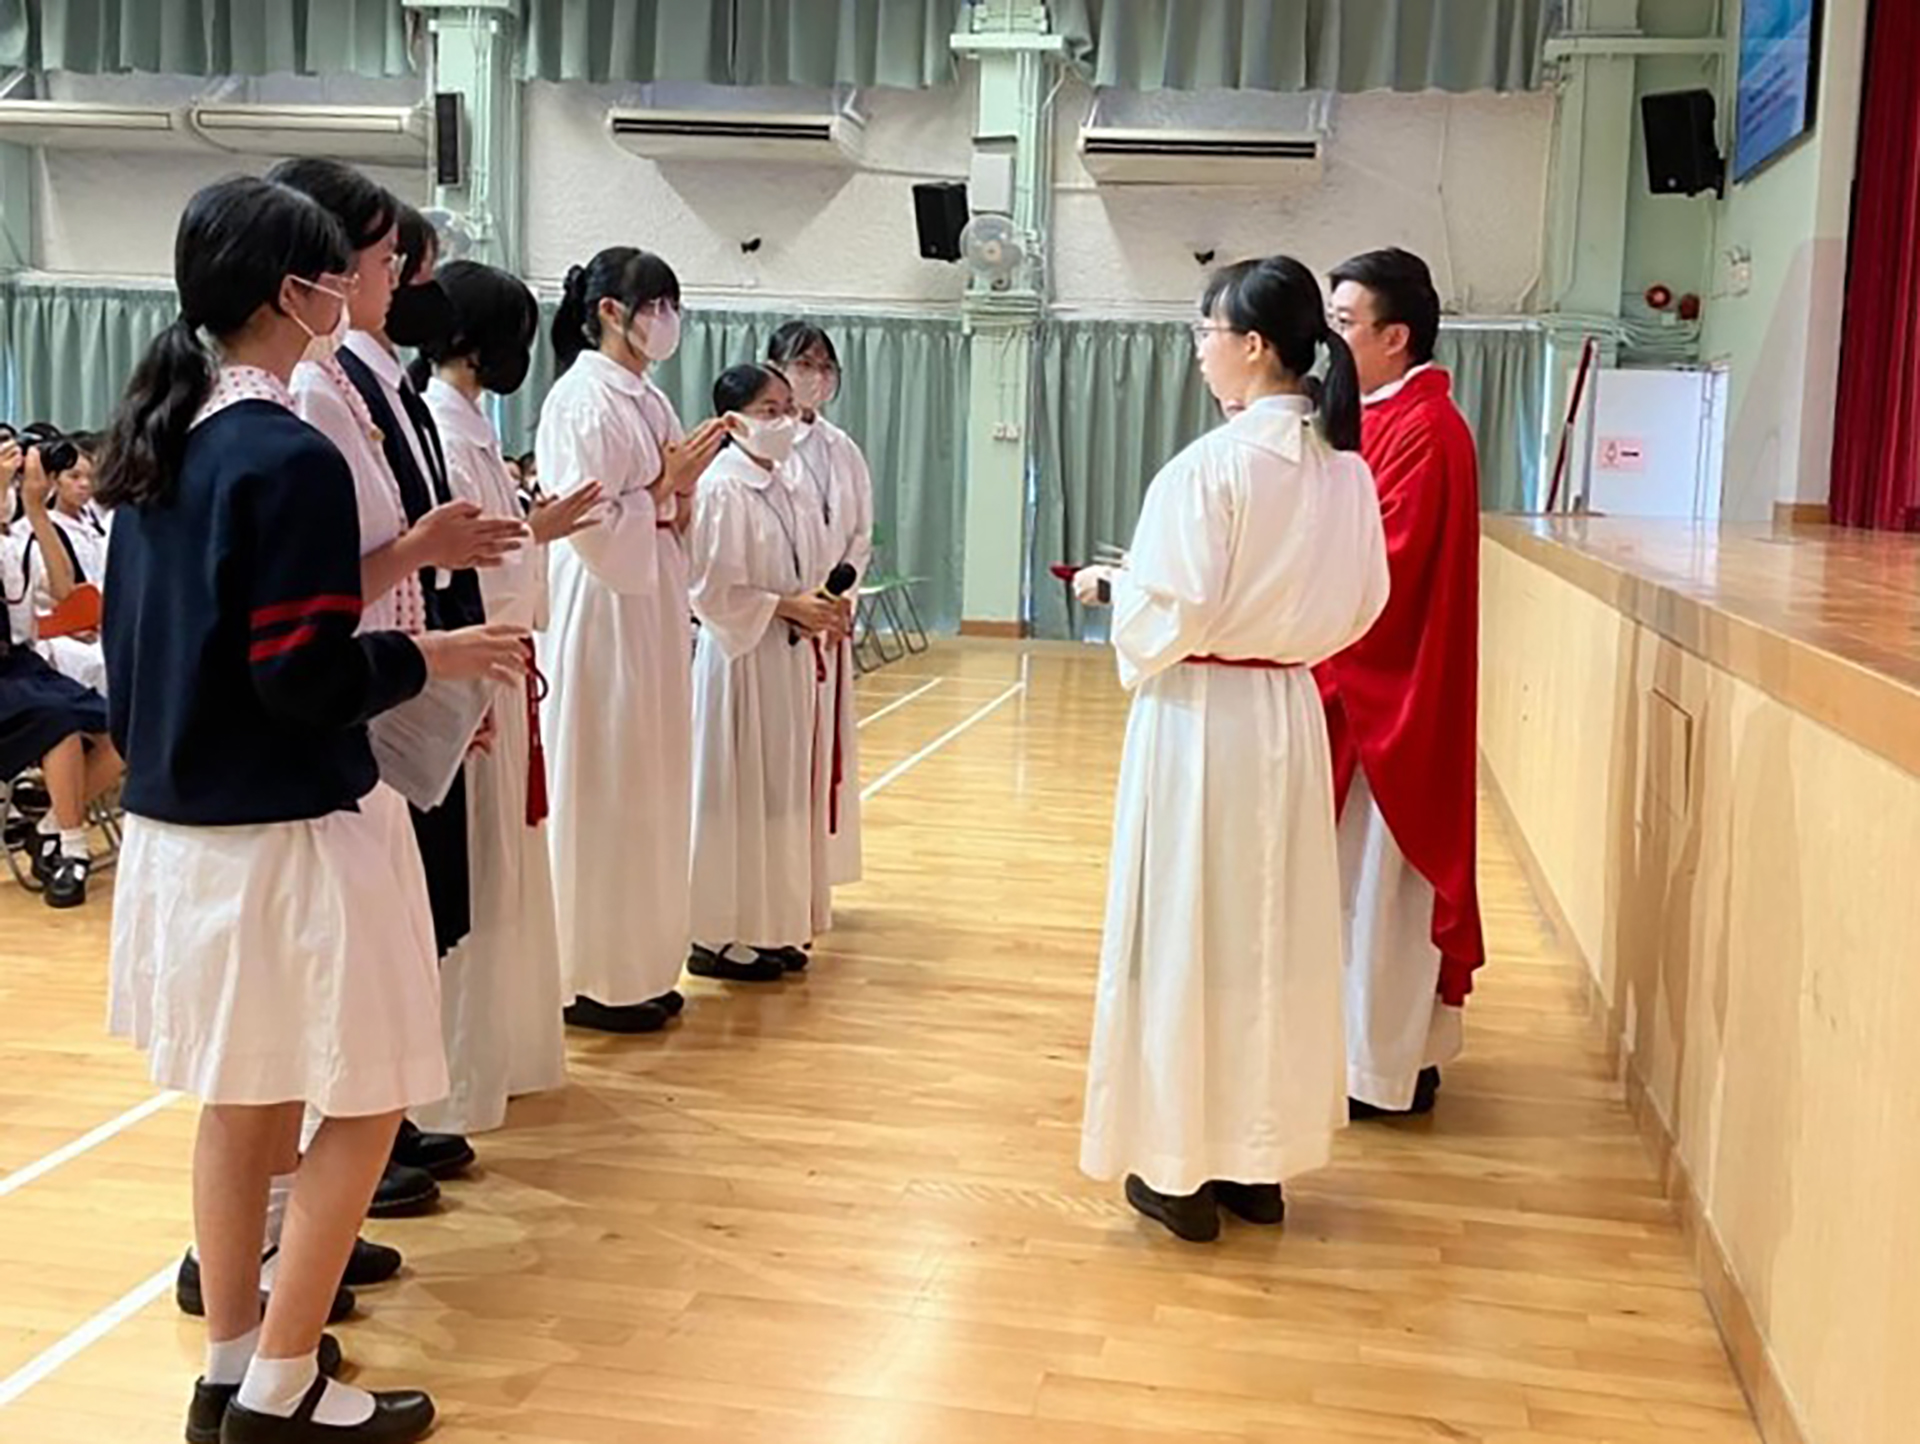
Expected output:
(837, 488)
(764, 636)
(501, 993)
(617, 655)
(1218, 1067)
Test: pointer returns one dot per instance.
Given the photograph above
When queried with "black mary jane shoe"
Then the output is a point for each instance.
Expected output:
(627, 1019)
(187, 1294)
(404, 1192)
(791, 960)
(1194, 1218)
(1425, 1091)
(673, 1004)
(444, 1155)
(1261, 1203)
(399, 1417)
(211, 1401)
(706, 963)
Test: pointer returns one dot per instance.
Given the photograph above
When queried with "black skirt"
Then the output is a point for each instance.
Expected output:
(40, 709)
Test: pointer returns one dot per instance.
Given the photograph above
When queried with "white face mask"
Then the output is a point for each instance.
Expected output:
(322, 347)
(660, 333)
(802, 430)
(769, 440)
(811, 388)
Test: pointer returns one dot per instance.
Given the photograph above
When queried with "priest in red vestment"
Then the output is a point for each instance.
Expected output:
(1401, 704)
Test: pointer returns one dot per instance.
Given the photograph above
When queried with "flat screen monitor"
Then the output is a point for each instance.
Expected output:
(1779, 65)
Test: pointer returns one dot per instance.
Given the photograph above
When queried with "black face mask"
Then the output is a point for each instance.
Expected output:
(503, 371)
(419, 315)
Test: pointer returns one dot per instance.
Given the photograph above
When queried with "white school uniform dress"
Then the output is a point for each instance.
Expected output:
(76, 657)
(500, 993)
(280, 962)
(1218, 1046)
(618, 718)
(756, 712)
(328, 401)
(830, 472)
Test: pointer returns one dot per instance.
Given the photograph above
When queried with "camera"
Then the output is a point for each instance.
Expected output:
(57, 453)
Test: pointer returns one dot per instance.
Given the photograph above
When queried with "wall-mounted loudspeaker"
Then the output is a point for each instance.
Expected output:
(940, 210)
(1683, 158)
(449, 151)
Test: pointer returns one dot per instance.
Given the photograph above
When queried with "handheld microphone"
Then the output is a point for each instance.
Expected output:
(839, 582)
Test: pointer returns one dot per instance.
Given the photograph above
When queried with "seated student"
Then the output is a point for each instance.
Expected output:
(82, 534)
(765, 630)
(48, 720)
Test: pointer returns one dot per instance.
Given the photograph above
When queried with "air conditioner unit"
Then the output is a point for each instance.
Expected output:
(822, 138)
(1116, 155)
(371, 134)
(83, 125)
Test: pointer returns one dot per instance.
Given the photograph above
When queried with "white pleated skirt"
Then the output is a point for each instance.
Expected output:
(280, 963)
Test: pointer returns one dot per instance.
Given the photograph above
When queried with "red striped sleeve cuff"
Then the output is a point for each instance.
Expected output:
(280, 613)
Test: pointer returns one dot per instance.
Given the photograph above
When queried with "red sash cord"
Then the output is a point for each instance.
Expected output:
(838, 771)
(536, 753)
(1258, 664)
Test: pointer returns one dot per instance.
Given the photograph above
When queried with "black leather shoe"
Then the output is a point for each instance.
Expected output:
(1195, 1218)
(1425, 1090)
(706, 963)
(1261, 1203)
(444, 1155)
(42, 851)
(67, 882)
(371, 1263)
(404, 1192)
(791, 960)
(627, 1019)
(398, 1418)
(187, 1294)
(672, 1004)
(211, 1401)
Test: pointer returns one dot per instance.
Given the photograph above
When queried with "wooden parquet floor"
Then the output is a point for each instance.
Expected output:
(846, 1210)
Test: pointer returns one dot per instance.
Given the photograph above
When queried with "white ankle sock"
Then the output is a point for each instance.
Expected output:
(740, 953)
(227, 1363)
(74, 843)
(276, 1387)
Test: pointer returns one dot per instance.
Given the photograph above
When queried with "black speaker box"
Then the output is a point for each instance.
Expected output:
(449, 155)
(940, 209)
(1682, 156)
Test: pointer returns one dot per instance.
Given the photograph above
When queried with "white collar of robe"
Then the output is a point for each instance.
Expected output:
(613, 373)
(1278, 423)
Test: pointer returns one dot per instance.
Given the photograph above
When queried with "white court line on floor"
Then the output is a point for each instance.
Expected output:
(900, 769)
(91, 1332)
(898, 702)
(86, 1143)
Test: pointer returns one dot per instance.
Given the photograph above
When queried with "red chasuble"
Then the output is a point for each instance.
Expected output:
(1402, 701)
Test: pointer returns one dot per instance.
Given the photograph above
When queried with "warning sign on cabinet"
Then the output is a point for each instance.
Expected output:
(1622, 453)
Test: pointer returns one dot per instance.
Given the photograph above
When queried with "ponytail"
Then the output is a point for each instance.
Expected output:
(570, 334)
(148, 438)
(419, 371)
(1339, 398)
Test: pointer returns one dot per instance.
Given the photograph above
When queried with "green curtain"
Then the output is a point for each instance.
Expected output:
(628, 40)
(206, 37)
(897, 43)
(1114, 400)
(66, 350)
(904, 399)
(1117, 399)
(1499, 384)
(1290, 45)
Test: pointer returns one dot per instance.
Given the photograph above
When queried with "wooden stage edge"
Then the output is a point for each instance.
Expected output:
(1824, 620)
(1753, 1362)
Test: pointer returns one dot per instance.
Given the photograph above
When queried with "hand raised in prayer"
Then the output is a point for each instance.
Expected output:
(557, 518)
(458, 535)
(689, 457)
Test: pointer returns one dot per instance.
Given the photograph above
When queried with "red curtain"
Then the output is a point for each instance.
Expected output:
(1876, 443)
